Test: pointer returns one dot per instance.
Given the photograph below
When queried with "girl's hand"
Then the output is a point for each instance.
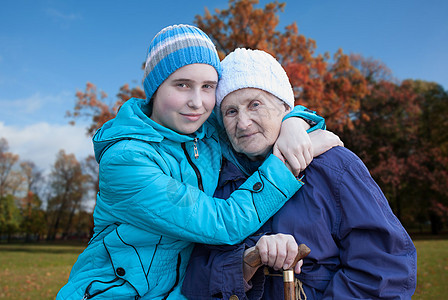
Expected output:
(294, 146)
(324, 140)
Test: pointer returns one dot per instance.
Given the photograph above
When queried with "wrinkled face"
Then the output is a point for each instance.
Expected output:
(186, 98)
(252, 119)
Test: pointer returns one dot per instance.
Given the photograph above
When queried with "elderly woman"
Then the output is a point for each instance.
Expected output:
(359, 249)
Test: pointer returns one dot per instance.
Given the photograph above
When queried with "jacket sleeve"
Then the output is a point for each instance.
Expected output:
(315, 121)
(135, 190)
(377, 255)
(217, 272)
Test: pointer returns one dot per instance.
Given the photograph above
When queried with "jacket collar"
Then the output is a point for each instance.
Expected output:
(132, 122)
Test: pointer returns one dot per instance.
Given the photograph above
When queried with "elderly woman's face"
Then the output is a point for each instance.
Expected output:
(252, 119)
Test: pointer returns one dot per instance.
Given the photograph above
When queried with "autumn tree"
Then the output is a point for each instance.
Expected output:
(7, 161)
(10, 217)
(433, 156)
(91, 168)
(332, 87)
(9, 213)
(400, 137)
(96, 106)
(387, 122)
(33, 222)
(67, 183)
(244, 26)
(373, 70)
(400, 134)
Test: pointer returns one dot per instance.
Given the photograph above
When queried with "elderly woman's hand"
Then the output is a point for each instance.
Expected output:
(294, 146)
(277, 251)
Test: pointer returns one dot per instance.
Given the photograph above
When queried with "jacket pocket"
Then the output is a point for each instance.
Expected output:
(107, 289)
(126, 262)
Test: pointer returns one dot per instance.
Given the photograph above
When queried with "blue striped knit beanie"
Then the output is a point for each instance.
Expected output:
(174, 47)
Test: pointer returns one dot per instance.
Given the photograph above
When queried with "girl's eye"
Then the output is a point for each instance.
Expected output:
(182, 85)
(208, 86)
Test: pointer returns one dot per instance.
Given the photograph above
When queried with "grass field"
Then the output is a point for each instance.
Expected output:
(35, 271)
(38, 271)
(432, 269)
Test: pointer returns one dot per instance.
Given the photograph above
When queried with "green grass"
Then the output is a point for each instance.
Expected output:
(38, 271)
(35, 271)
(432, 269)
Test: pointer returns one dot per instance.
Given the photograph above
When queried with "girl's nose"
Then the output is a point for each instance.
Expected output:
(195, 100)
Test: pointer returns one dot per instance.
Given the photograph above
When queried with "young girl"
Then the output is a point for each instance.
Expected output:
(159, 166)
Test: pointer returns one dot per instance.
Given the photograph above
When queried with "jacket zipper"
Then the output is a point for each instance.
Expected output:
(201, 187)
(195, 168)
(195, 148)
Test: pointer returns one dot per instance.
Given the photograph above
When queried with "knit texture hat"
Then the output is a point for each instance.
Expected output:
(245, 68)
(174, 47)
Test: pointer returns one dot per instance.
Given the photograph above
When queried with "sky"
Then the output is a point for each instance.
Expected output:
(50, 49)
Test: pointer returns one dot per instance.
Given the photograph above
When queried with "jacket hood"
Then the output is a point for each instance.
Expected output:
(132, 122)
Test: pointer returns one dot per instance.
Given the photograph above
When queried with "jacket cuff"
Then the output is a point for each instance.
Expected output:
(271, 186)
(233, 281)
(309, 116)
(256, 292)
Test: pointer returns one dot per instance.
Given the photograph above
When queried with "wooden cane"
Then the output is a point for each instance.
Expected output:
(253, 259)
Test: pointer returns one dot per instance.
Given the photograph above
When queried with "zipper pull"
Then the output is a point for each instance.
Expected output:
(195, 147)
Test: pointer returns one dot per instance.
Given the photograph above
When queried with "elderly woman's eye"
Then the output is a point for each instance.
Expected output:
(231, 112)
(255, 104)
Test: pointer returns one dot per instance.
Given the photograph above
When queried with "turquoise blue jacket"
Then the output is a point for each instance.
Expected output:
(155, 202)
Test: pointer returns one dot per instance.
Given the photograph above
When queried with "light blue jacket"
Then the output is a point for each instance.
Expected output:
(149, 210)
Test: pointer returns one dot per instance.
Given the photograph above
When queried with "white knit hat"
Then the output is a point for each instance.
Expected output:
(245, 68)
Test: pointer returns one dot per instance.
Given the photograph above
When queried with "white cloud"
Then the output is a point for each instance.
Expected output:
(62, 16)
(36, 108)
(41, 142)
(24, 105)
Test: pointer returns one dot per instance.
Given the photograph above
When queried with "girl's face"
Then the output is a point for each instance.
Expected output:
(186, 98)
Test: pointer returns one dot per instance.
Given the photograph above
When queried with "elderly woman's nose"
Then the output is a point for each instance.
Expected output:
(243, 120)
